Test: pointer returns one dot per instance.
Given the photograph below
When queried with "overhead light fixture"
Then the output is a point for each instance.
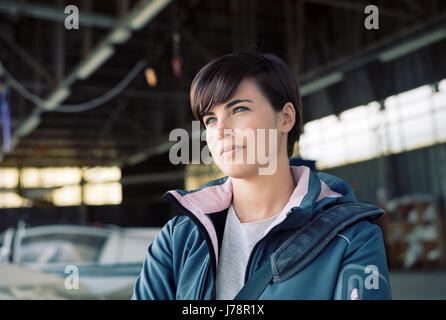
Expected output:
(137, 158)
(143, 155)
(412, 45)
(148, 10)
(56, 98)
(28, 126)
(120, 35)
(151, 77)
(321, 83)
(93, 62)
(14, 142)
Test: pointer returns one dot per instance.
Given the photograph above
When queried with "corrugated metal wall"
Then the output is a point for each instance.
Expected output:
(417, 171)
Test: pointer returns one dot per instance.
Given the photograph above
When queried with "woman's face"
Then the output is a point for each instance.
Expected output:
(246, 134)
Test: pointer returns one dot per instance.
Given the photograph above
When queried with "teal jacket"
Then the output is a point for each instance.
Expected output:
(182, 261)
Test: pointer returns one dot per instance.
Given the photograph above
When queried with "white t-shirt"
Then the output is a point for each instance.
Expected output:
(238, 241)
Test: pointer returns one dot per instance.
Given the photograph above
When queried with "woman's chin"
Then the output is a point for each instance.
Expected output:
(239, 171)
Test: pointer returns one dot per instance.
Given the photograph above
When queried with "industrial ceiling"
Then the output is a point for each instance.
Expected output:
(87, 101)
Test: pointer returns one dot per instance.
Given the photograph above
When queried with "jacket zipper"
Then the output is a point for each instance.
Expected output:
(251, 256)
(204, 233)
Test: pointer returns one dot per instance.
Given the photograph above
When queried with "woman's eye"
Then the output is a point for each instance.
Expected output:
(208, 121)
(240, 108)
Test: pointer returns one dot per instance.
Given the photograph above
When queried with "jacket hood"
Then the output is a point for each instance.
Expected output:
(314, 191)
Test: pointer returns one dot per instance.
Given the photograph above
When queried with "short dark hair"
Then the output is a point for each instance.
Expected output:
(218, 81)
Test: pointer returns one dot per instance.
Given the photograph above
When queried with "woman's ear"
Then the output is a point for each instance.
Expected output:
(288, 117)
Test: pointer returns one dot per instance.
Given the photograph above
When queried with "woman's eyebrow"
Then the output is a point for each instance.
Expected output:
(233, 102)
(228, 105)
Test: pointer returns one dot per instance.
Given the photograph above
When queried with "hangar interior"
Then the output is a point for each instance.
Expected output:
(86, 112)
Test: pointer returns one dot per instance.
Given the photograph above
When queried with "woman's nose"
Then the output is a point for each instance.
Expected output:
(223, 127)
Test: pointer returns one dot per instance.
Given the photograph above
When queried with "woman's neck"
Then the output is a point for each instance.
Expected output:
(263, 196)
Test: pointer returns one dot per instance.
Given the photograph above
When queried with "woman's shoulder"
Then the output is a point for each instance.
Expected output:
(178, 222)
(361, 231)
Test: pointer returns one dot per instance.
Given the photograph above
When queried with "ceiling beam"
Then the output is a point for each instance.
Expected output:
(332, 72)
(162, 144)
(138, 17)
(149, 93)
(27, 58)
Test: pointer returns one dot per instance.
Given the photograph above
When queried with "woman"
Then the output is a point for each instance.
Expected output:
(250, 106)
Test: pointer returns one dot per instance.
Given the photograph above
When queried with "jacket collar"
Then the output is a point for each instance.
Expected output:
(314, 191)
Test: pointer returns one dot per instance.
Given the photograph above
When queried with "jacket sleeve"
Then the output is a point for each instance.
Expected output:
(155, 281)
(364, 273)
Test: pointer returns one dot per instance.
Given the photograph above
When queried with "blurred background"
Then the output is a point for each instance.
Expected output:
(90, 90)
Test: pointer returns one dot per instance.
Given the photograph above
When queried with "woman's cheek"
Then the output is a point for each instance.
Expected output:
(211, 142)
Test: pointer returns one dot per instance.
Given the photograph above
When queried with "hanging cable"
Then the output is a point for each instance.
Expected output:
(73, 108)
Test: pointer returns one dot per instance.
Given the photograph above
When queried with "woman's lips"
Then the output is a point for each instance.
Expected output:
(229, 151)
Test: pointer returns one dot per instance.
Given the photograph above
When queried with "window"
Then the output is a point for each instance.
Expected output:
(409, 120)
